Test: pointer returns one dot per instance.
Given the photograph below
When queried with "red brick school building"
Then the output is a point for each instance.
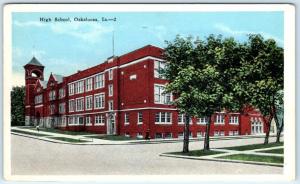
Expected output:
(124, 95)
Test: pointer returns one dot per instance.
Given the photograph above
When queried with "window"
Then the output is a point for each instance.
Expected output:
(163, 118)
(52, 95)
(234, 120)
(38, 99)
(236, 132)
(61, 108)
(110, 74)
(126, 118)
(88, 121)
(80, 120)
(161, 97)
(71, 105)
(99, 120)
(110, 105)
(110, 90)
(88, 102)
(158, 136)
(168, 135)
(139, 135)
(79, 104)
(99, 81)
(182, 119)
(61, 93)
(140, 117)
(220, 119)
(52, 109)
(158, 69)
(71, 120)
(203, 120)
(71, 89)
(99, 101)
(79, 87)
(89, 84)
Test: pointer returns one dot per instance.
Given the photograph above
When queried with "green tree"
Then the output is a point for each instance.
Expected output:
(195, 74)
(18, 106)
(261, 77)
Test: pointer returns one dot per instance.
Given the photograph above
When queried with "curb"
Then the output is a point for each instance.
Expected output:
(220, 160)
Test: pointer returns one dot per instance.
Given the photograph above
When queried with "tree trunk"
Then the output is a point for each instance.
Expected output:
(206, 139)
(268, 128)
(279, 130)
(186, 134)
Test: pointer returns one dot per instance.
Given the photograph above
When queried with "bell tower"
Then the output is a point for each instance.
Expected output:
(34, 71)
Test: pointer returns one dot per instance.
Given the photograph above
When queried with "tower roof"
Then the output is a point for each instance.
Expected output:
(35, 62)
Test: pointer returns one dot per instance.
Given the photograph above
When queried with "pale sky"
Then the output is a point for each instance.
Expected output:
(64, 48)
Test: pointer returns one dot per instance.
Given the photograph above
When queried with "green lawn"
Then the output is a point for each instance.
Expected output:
(197, 153)
(52, 130)
(29, 133)
(256, 158)
(112, 137)
(254, 146)
(68, 139)
(278, 151)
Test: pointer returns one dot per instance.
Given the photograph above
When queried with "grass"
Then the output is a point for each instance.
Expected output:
(254, 146)
(278, 151)
(197, 153)
(52, 130)
(256, 158)
(112, 137)
(68, 139)
(29, 133)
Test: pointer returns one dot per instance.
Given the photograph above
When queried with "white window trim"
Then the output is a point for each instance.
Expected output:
(82, 104)
(110, 74)
(90, 122)
(73, 105)
(71, 89)
(102, 118)
(160, 101)
(86, 103)
(138, 119)
(126, 115)
(164, 123)
(95, 100)
(220, 123)
(199, 122)
(95, 82)
(86, 82)
(234, 122)
(110, 92)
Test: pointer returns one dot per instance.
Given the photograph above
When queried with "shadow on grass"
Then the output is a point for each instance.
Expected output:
(197, 153)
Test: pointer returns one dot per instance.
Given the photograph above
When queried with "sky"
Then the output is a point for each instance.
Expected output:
(65, 47)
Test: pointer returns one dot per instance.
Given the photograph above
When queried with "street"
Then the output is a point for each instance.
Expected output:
(37, 157)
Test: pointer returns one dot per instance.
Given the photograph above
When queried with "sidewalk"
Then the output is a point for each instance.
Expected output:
(86, 140)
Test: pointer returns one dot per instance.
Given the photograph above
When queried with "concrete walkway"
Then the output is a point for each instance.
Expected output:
(95, 141)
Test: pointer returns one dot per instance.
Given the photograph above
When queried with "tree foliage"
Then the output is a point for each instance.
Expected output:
(18, 106)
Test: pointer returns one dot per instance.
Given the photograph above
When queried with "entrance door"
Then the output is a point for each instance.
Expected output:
(111, 125)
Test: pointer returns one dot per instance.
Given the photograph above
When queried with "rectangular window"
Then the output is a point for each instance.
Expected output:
(38, 99)
(160, 97)
(99, 120)
(80, 120)
(234, 120)
(110, 105)
(126, 118)
(52, 109)
(163, 118)
(99, 81)
(61, 108)
(79, 104)
(159, 66)
(110, 90)
(202, 121)
(88, 121)
(182, 119)
(71, 105)
(99, 101)
(79, 87)
(140, 117)
(61, 93)
(71, 89)
(180, 134)
(52, 95)
(110, 74)
(88, 102)
(89, 84)
(219, 119)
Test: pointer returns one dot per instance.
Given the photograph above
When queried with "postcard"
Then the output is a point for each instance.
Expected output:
(149, 92)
